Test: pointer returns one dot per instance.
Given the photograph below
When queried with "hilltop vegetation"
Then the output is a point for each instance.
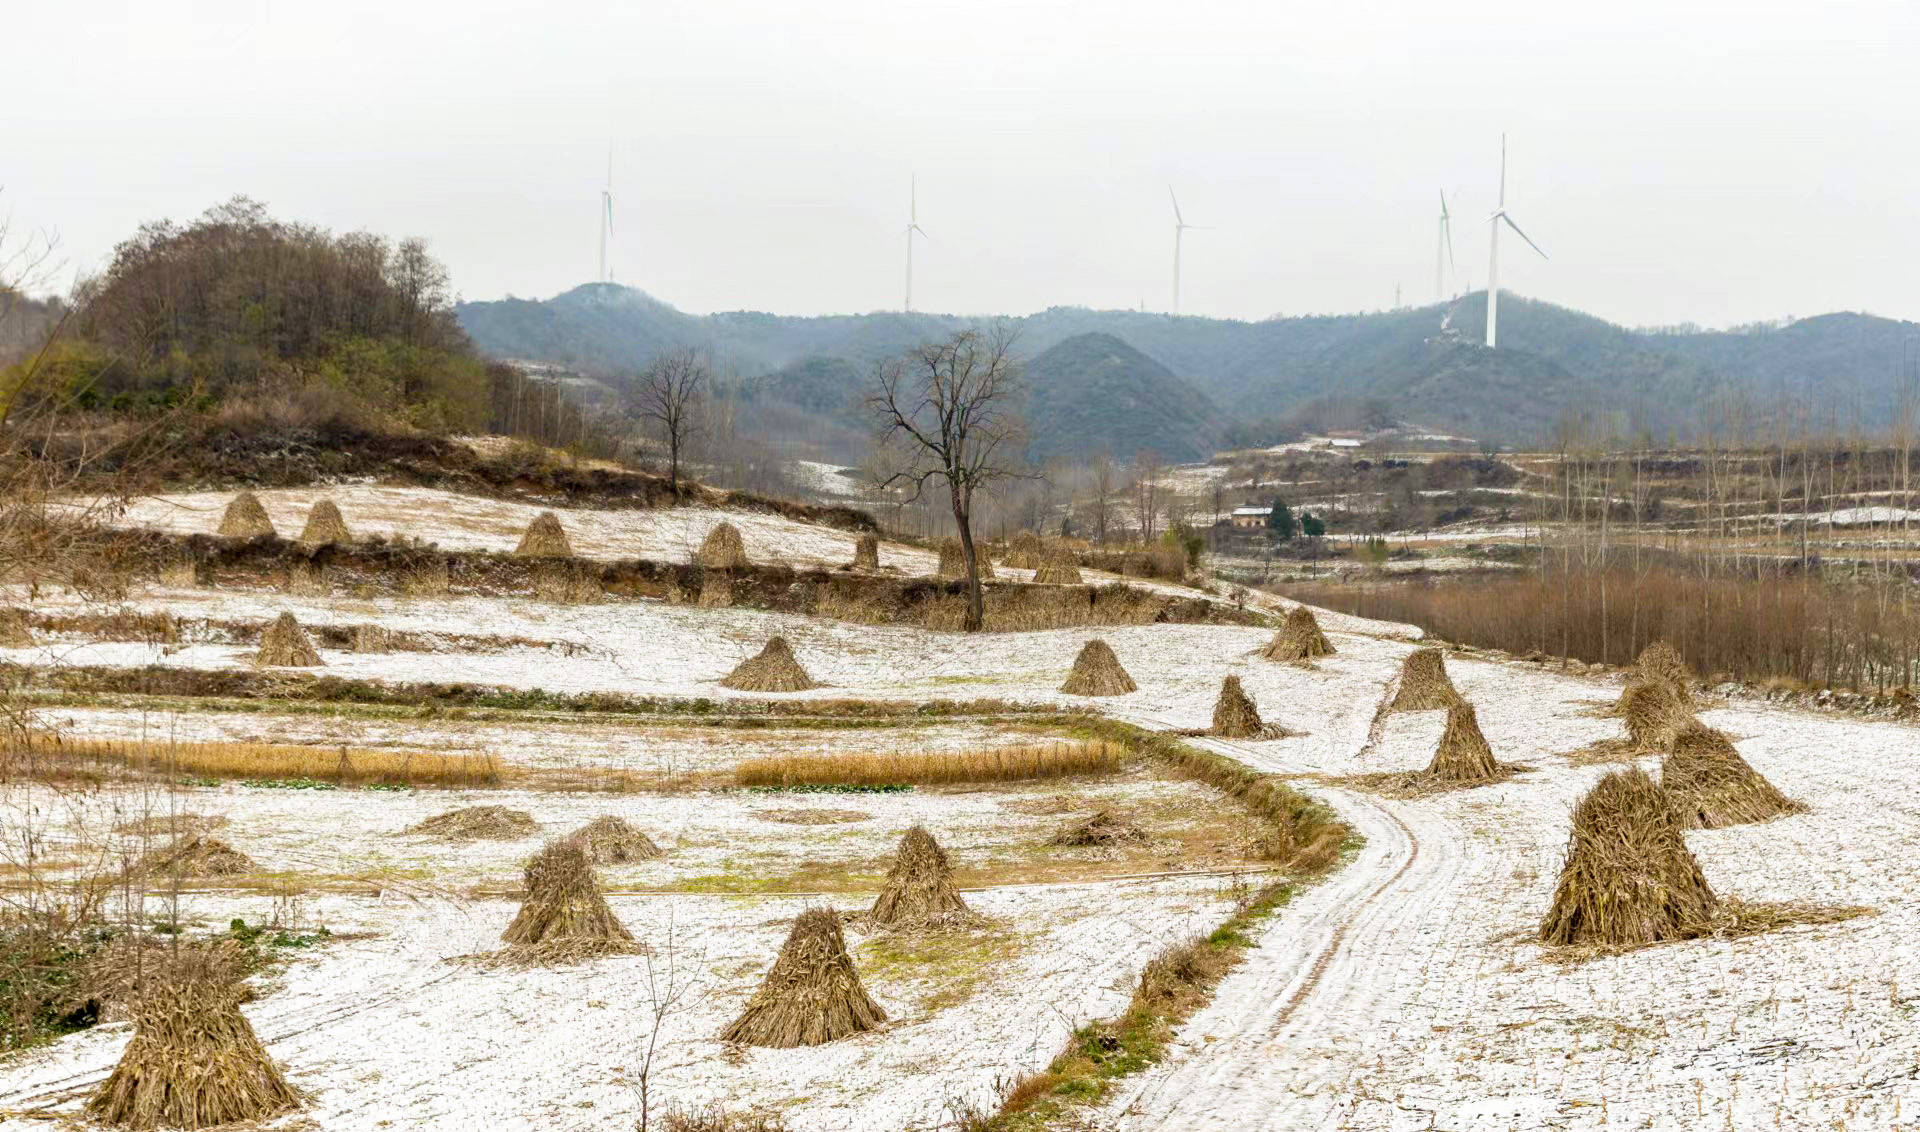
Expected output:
(1552, 362)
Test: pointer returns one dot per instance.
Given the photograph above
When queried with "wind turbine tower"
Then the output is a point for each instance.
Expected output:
(1180, 227)
(1498, 218)
(1443, 253)
(606, 218)
(913, 229)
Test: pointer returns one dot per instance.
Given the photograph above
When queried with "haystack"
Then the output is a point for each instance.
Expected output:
(866, 553)
(919, 891)
(1026, 552)
(1662, 663)
(716, 590)
(1713, 787)
(1097, 672)
(813, 994)
(564, 910)
(324, 525)
(1300, 638)
(1423, 683)
(1654, 713)
(953, 560)
(1234, 713)
(194, 1061)
(285, 644)
(1463, 754)
(1060, 568)
(1629, 878)
(611, 841)
(723, 548)
(545, 538)
(477, 823)
(1100, 829)
(195, 855)
(246, 518)
(773, 669)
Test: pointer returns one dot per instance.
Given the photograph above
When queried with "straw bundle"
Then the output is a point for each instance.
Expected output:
(1655, 714)
(1026, 552)
(1424, 685)
(723, 548)
(1463, 754)
(1629, 878)
(953, 560)
(285, 644)
(813, 994)
(1100, 829)
(1234, 713)
(324, 525)
(1713, 787)
(245, 518)
(564, 909)
(545, 538)
(195, 855)
(1060, 568)
(716, 590)
(866, 553)
(1097, 672)
(194, 1061)
(1299, 639)
(610, 841)
(1661, 663)
(919, 892)
(477, 823)
(773, 669)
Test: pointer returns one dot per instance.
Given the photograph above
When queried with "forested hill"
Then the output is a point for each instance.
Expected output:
(1260, 375)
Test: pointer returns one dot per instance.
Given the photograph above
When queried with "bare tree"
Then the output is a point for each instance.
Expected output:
(671, 390)
(1146, 491)
(945, 413)
(1103, 477)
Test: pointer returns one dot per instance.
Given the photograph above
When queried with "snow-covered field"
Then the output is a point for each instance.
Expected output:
(1404, 992)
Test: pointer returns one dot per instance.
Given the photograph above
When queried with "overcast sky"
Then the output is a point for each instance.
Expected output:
(1680, 161)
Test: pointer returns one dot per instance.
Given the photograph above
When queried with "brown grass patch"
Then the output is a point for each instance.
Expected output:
(719, 1118)
(813, 817)
(1105, 828)
(993, 764)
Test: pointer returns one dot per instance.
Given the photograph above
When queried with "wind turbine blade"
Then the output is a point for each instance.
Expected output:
(1522, 235)
(1446, 226)
(1177, 218)
(1443, 204)
(609, 202)
(922, 231)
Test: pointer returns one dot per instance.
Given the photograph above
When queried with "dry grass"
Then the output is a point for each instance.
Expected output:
(195, 855)
(993, 764)
(52, 757)
(1058, 568)
(566, 582)
(813, 817)
(1097, 672)
(1105, 828)
(719, 1118)
(812, 996)
(170, 825)
(1027, 552)
(609, 840)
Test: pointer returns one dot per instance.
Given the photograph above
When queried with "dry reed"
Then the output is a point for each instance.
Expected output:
(238, 759)
(1463, 754)
(1026, 552)
(195, 855)
(993, 764)
(1234, 713)
(1662, 663)
(1101, 829)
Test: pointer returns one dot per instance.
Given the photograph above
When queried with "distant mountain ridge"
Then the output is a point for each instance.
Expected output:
(1552, 361)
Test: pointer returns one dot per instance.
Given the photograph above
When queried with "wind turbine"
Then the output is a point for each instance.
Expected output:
(1443, 253)
(913, 227)
(1180, 226)
(1493, 256)
(606, 217)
